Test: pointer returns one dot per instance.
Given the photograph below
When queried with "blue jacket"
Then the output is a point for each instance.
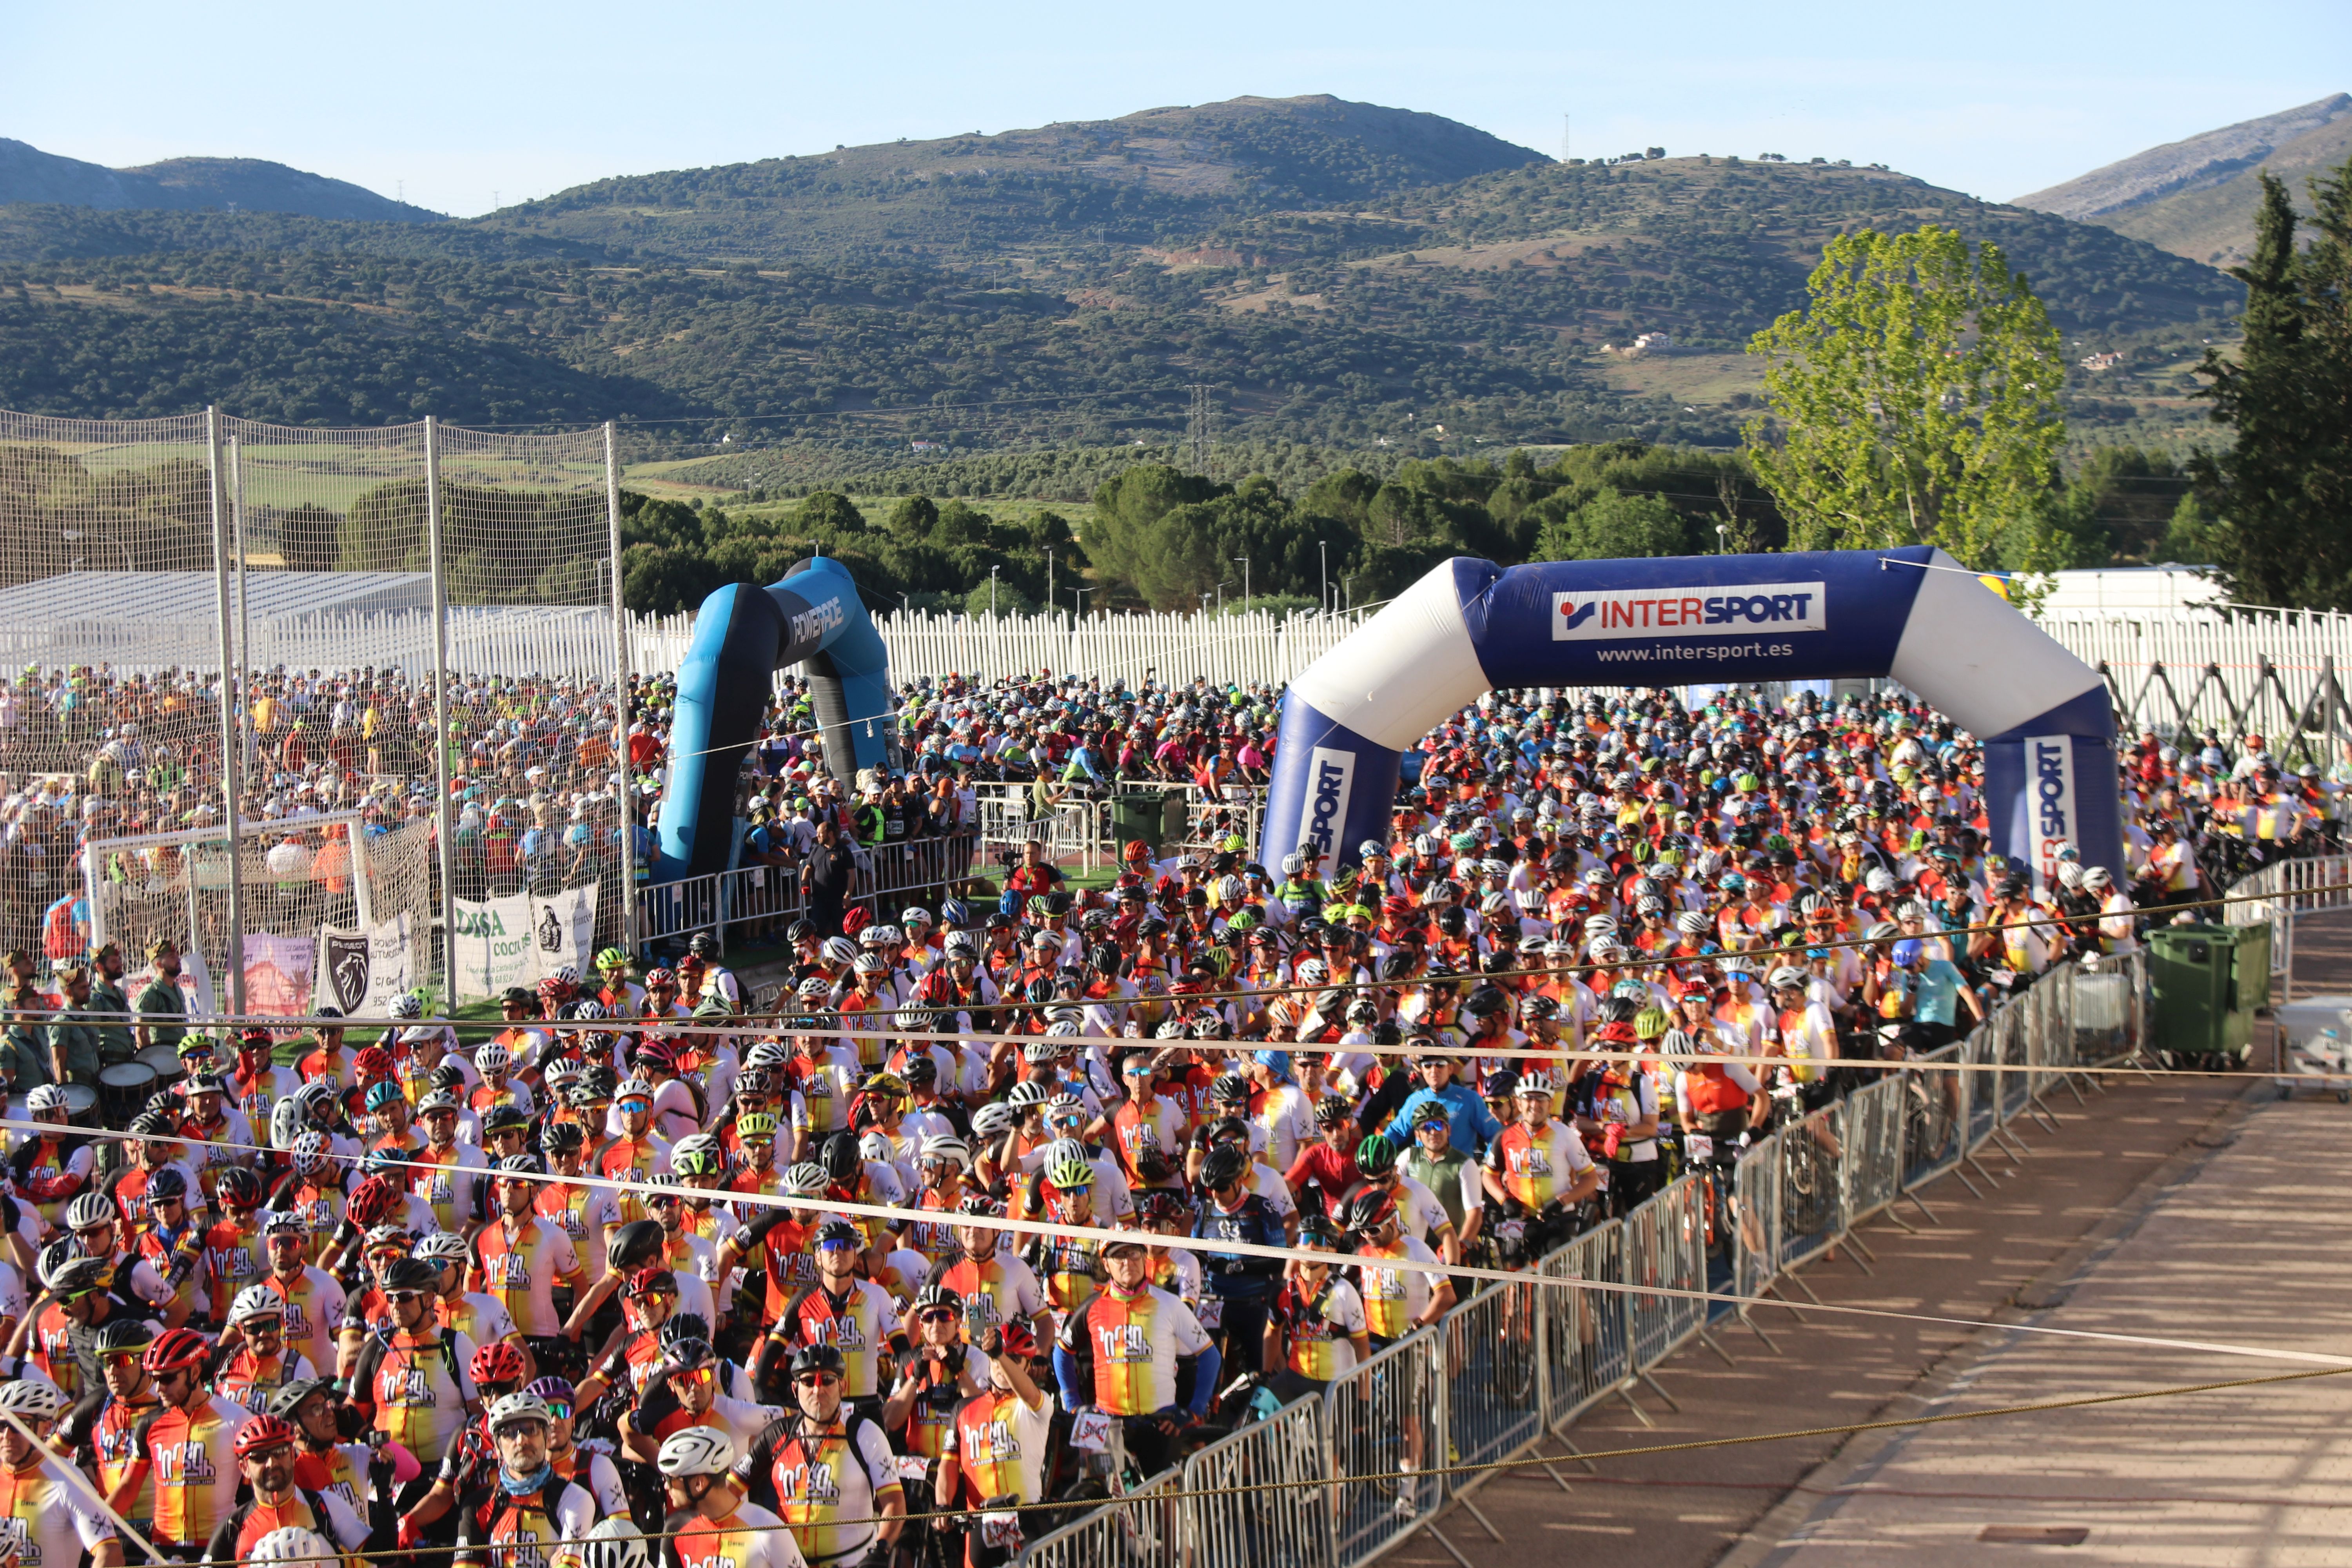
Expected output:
(1230, 1275)
(1467, 1120)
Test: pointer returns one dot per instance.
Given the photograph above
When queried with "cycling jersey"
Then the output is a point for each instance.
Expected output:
(747, 1538)
(586, 1215)
(524, 1269)
(510, 1531)
(314, 1307)
(931, 1419)
(1393, 1296)
(1537, 1167)
(233, 1256)
(49, 1175)
(1132, 1343)
(824, 1481)
(449, 1181)
(340, 1469)
(320, 1204)
(993, 1288)
(323, 1511)
(250, 1378)
(1317, 1327)
(416, 1387)
(481, 1319)
(115, 1441)
(192, 1460)
(642, 1159)
(46, 1521)
(591, 1466)
(1000, 1448)
(857, 1323)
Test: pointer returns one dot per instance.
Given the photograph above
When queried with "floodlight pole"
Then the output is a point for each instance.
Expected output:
(447, 849)
(628, 859)
(237, 523)
(231, 756)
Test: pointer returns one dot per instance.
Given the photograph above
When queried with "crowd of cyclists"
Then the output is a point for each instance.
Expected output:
(668, 1265)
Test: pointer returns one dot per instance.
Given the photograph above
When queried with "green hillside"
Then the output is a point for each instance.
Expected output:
(1342, 277)
(2217, 224)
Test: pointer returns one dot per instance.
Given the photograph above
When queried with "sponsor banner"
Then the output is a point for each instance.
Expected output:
(491, 948)
(1719, 611)
(1330, 786)
(360, 970)
(278, 971)
(563, 930)
(2052, 819)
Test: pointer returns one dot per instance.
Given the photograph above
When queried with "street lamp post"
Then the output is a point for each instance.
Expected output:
(1245, 593)
(1323, 575)
(1723, 539)
(992, 591)
(1049, 579)
(1080, 594)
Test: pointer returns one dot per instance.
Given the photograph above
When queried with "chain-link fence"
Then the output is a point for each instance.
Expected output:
(415, 804)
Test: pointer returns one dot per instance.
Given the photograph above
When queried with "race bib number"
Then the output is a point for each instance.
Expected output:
(1698, 1147)
(1000, 1530)
(1211, 1313)
(1090, 1430)
(913, 1467)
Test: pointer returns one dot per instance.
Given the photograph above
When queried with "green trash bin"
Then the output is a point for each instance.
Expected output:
(2207, 982)
(1140, 813)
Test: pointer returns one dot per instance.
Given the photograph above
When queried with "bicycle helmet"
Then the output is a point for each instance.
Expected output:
(517, 1408)
(493, 1058)
(176, 1350)
(1369, 1209)
(1222, 1166)
(941, 1146)
(806, 1179)
(1376, 1156)
(88, 1211)
(441, 1246)
(256, 1301)
(32, 1401)
(48, 1097)
(994, 1119)
(1066, 1169)
(263, 1433)
(614, 1543)
(294, 1545)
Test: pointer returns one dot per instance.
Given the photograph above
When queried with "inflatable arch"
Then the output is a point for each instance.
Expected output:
(1914, 614)
(742, 636)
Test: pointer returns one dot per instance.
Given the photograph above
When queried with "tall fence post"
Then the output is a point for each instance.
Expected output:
(232, 754)
(445, 847)
(626, 859)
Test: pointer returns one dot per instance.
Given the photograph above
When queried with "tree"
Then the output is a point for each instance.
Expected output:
(1914, 401)
(1612, 527)
(2282, 487)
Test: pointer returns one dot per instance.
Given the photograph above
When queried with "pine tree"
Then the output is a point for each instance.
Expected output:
(2282, 488)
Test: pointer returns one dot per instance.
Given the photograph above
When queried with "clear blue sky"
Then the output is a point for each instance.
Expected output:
(515, 97)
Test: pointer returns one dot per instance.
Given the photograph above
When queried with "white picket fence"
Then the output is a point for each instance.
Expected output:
(1257, 646)
(2262, 671)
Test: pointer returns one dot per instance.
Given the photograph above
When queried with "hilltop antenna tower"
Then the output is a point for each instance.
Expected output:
(1199, 429)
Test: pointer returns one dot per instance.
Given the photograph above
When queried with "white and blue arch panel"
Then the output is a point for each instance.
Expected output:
(1914, 614)
(743, 634)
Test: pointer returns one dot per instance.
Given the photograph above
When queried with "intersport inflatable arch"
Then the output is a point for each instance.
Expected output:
(742, 636)
(1915, 615)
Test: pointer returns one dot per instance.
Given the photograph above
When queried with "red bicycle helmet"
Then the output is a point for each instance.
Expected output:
(262, 1434)
(177, 1350)
(372, 1065)
(498, 1362)
(373, 1199)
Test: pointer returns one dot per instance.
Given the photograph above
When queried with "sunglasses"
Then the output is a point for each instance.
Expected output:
(817, 1379)
(697, 1377)
(837, 1246)
(397, 1297)
(122, 1358)
(628, 1106)
(940, 1315)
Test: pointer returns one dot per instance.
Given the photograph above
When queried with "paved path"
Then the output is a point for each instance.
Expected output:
(2045, 1214)
(2253, 1247)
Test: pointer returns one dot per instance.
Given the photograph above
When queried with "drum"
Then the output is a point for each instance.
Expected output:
(122, 1091)
(81, 1105)
(163, 1062)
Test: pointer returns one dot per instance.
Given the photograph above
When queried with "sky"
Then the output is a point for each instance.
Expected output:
(459, 108)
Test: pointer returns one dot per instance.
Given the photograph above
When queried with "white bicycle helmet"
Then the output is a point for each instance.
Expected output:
(493, 1057)
(294, 1545)
(32, 1401)
(614, 1543)
(839, 949)
(696, 1451)
(256, 1301)
(48, 1097)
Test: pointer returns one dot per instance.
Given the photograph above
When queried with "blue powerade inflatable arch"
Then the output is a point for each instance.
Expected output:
(1915, 613)
(742, 636)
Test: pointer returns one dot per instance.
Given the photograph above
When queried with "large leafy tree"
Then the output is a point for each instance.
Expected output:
(1914, 401)
(2282, 490)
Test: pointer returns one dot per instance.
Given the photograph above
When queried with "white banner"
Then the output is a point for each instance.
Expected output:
(362, 971)
(491, 948)
(563, 930)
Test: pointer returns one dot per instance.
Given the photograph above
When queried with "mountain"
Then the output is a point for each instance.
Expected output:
(2197, 197)
(1339, 275)
(1153, 175)
(29, 175)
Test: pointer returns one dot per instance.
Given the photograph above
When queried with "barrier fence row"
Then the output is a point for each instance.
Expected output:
(1514, 1361)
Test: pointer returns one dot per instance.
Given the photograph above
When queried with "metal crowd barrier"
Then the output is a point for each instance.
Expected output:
(1387, 1421)
(1242, 1504)
(1516, 1360)
(920, 869)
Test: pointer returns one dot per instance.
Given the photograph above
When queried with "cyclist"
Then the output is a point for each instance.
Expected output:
(1449, 1176)
(1316, 1332)
(988, 1276)
(718, 1531)
(505, 1518)
(852, 1316)
(129, 1394)
(354, 1472)
(1121, 1354)
(589, 1464)
(187, 1443)
(312, 1298)
(827, 1469)
(1241, 1286)
(267, 1456)
(519, 1261)
(940, 1373)
(995, 1452)
(262, 1362)
(45, 1518)
(412, 1379)
(1537, 1172)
